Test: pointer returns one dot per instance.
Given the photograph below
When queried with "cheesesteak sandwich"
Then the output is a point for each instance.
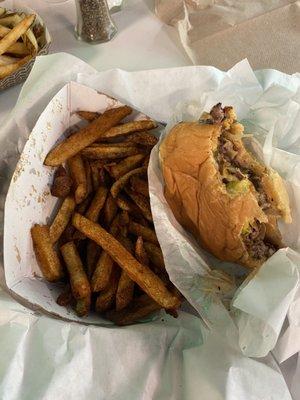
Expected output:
(219, 192)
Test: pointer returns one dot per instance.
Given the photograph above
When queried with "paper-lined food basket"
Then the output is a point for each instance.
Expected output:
(257, 308)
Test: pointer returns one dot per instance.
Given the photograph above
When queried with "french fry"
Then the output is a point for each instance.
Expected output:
(109, 145)
(124, 166)
(146, 161)
(68, 234)
(2, 11)
(101, 276)
(139, 185)
(6, 70)
(82, 207)
(139, 219)
(65, 298)
(18, 49)
(123, 222)
(10, 19)
(62, 183)
(143, 231)
(139, 273)
(125, 289)
(109, 152)
(28, 37)
(62, 219)
(99, 175)
(30, 41)
(3, 30)
(95, 176)
(140, 251)
(88, 115)
(110, 210)
(129, 127)
(88, 174)
(77, 170)
(142, 203)
(79, 282)
(140, 308)
(124, 218)
(46, 256)
(142, 138)
(104, 266)
(155, 255)
(15, 33)
(92, 256)
(121, 182)
(86, 136)
(83, 306)
(6, 60)
(106, 298)
(97, 204)
(126, 204)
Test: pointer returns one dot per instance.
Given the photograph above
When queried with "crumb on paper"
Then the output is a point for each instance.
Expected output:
(17, 251)
(20, 166)
(43, 197)
(49, 126)
(57, 106)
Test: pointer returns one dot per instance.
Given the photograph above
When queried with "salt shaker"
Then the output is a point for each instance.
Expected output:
(94, 23)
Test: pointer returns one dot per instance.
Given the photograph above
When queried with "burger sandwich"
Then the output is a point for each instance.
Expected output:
(220, 192)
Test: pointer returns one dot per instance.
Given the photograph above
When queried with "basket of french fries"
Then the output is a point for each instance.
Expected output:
(90, 249)
(23, 36)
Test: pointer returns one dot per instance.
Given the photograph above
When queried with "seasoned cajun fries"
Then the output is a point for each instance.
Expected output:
(86, 136)
(103, 230)
(141, 274)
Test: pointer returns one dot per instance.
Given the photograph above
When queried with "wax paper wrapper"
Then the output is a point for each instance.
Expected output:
(216, 365)
(222, 32)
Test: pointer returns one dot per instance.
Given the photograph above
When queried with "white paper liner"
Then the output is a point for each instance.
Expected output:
(169, 88)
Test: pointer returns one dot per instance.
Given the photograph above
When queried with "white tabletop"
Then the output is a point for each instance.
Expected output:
(142, 42)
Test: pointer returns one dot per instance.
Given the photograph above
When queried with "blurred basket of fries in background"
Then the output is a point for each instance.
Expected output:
(23, 36)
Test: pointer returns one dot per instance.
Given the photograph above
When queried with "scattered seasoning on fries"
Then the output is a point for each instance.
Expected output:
(143, 231)
(86, 136)
(62, 219)
(139, 273)
(47, 257)
(120, 183)
(109, 152)
(62, 183)
(78, 174)
(124, 166)
(78, 279)
(103, 229)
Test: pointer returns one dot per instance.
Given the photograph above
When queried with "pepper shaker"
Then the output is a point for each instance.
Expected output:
(94, 23)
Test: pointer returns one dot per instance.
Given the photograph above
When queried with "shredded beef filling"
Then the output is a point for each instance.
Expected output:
(255, 244)
(225, 155)
(232, 170)
(217, 113)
